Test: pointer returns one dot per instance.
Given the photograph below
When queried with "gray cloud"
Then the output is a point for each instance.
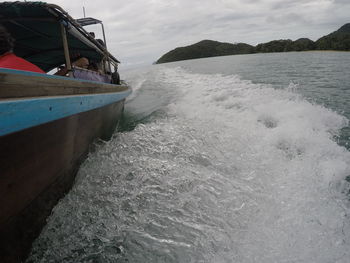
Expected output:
(292, 4)
(342, 2)
(287, 19)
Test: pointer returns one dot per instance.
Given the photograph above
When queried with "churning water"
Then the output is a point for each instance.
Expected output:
(227, 159)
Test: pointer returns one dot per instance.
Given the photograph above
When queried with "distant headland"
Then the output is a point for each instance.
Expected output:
(338, 40)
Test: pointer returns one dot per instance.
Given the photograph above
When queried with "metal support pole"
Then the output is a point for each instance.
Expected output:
(66, 49)
(106, 54)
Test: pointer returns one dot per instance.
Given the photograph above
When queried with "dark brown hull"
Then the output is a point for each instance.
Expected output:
(37, 168)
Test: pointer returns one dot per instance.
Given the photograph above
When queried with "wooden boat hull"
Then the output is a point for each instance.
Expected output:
(48, 122)
(38, 166)
(45, 134)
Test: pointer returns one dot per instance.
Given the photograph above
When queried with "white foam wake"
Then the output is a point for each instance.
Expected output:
(286, 144)
(234, 172)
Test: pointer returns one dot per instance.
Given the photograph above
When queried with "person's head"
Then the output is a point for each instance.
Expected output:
(93, 66)
(100, 41)
(81, 63)
(6, 41)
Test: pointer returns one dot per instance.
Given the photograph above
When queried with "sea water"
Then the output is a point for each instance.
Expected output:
(226, 159)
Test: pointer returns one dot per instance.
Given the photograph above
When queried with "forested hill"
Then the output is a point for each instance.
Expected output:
(338, 40)
(206, 48)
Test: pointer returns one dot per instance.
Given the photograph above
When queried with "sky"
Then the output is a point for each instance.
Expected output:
(139, 32)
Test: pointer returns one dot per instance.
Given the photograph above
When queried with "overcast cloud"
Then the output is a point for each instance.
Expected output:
(140, 31)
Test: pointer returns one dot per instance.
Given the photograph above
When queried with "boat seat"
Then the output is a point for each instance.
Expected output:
(81, 73)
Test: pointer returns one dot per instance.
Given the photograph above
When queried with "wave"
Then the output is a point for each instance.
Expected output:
(231, 172)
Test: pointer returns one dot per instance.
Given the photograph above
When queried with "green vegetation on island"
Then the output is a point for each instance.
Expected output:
(206, 48)
(338, 40)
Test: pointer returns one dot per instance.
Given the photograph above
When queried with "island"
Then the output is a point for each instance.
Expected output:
(338, 40)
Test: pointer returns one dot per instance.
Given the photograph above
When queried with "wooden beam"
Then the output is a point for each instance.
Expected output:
(33, 85)
(66, 49)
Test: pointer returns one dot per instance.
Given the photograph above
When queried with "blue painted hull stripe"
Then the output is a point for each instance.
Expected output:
(16, 115)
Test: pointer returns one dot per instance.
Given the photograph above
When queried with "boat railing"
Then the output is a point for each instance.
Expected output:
(24, 84)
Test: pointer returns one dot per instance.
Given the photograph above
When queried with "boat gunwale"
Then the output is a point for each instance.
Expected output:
(24, 84)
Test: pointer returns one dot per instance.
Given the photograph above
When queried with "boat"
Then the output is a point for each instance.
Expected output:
(48, 123)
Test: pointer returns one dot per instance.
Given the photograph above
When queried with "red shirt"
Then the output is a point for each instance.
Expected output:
(10, 60)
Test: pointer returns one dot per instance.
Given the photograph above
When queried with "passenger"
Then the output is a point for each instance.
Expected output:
(94, 67)
(100, 41)
(116, 76)
(82, 62)
(8, 59)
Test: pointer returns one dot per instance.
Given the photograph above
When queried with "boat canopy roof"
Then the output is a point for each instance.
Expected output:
(36, 28)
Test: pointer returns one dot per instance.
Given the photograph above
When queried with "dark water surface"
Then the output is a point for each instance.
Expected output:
(226, 159)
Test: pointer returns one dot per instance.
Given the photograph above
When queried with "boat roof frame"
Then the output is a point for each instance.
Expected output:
(59, 15)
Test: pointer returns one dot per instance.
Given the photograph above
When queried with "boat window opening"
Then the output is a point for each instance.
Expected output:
(92, 22)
